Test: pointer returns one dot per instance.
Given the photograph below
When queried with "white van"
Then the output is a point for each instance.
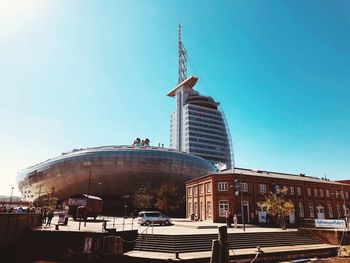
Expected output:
(155, 217)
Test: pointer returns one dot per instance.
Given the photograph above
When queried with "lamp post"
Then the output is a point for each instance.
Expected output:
(125, 207)
(242, 207)
(88, 190)
(88, 194)
(343, 197)
(88, 163)
(11, 195)
(37, 202)
(239, 186)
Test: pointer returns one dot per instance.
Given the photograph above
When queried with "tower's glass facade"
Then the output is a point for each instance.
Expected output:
(198, 126)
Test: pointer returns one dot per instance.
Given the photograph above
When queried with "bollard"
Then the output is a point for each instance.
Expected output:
(215, 251)
(177, 254)
(224, 254)
(104, 225)
(57, 227)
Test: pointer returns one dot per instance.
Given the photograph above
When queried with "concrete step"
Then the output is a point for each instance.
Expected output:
(194, 243)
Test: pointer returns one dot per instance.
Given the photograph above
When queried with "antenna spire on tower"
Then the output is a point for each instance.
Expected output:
(182, 58)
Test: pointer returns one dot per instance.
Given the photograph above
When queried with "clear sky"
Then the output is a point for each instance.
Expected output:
(88, 73)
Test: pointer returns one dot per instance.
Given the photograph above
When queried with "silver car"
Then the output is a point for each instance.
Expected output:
(155, 217)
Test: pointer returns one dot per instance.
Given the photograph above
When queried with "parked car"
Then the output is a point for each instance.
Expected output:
(155, 217)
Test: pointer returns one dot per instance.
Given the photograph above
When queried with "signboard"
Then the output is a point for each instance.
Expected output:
(262, 217)
(77, 201)
(330, 223)
(61, 217)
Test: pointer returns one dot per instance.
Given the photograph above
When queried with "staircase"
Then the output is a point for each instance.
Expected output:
(197, 243)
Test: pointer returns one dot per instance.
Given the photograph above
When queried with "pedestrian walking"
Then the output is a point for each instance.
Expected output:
(49, 217)
(227, 216)
(44, 216)
(235, 220)
(230, 219)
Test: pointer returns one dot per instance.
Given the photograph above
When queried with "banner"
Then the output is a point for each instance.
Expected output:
(330, 223)
(77, 201)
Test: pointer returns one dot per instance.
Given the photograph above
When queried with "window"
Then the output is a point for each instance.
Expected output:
(222, 186)
(189, 191)
(330, 211)
(201, 187)
(336, 194)
(262, 188)
(301, 210)
(195, 190)
(347, 195)
(223, 207)
(277, 188)
(190, 209)
(209, 208)
(291, 189)
(321, 193)
(327, 193)
(311, 210)
(338, 210)
(244, 187)
(315, 192)
(299, 190)
(309, 191)
(342, 194)
(208, 188)
(195, 208)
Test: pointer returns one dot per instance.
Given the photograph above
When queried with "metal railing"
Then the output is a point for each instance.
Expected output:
(145, 230)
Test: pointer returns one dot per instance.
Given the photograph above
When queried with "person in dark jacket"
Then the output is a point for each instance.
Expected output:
(49, 217)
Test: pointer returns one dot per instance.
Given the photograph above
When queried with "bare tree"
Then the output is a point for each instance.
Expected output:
(168, 198)
(143, 198)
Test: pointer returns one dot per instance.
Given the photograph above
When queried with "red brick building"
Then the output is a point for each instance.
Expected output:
(210, 196)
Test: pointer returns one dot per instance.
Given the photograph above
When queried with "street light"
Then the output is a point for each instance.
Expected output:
(11, 195)
(125, 206)
(37, 202)
(239, 186)
(88, 190)
(343, 197)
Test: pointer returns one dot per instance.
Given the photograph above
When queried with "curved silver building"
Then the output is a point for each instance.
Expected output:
(110, 171)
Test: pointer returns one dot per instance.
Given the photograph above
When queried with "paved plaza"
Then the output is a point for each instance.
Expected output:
(180, 226)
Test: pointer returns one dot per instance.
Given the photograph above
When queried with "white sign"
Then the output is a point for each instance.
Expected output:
(262, 217)
(77, 201)
(330, 223)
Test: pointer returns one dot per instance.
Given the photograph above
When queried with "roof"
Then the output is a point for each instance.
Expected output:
(187, 84)
(77, 152)
(278, 175)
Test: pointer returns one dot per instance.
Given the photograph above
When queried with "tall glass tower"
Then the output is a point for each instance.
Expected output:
(197, 125)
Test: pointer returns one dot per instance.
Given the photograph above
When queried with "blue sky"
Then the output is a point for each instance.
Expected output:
(87, 73)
